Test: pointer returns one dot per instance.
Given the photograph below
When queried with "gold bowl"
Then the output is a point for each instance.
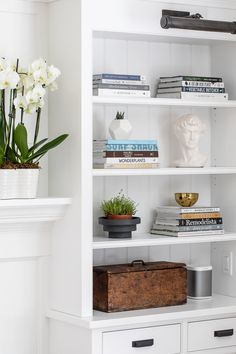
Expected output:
(186, 199)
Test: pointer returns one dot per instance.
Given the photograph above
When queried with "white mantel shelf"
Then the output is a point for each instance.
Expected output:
(26, 224)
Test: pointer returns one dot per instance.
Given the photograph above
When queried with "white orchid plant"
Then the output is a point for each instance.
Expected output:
(24, 91)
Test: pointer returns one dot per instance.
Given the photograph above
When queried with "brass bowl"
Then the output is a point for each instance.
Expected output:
(186, 199)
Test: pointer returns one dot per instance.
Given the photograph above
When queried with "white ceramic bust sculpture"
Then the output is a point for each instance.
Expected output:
(188, 129)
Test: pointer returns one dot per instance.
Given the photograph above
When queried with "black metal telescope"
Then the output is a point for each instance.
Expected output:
(183, 20)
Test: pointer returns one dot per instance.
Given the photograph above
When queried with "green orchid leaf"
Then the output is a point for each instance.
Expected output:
(21, 140)
(2, 155)
(45, 148)
(35, 146)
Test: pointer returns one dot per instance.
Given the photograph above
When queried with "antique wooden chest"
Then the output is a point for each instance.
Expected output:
(139, 285)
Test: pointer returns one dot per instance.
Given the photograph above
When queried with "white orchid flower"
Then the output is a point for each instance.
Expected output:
(41, 103)
(9, 79)
(27, 81)
(34, 95)
(31, 108)
(21, 102)
(40, 76)
(53, 74)
(39, 64)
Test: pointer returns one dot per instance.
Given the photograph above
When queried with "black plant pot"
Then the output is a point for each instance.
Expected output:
(119, 228)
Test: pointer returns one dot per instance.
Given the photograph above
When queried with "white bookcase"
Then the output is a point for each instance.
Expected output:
(125, 37)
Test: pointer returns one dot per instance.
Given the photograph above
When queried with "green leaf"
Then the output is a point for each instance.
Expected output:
(2, 155)
(35, 146)
(13, 156)
(21, 140)
(45, 148)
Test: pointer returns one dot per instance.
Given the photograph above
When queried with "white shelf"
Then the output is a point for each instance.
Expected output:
(166, 36)
(140, 240)
(164, 171)
(163, 102)
(219, 305)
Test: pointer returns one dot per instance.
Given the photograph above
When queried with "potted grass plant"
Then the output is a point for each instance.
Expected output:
(119, 219)
(22, 94)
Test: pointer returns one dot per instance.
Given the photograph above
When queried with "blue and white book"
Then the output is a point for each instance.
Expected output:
(119, 77)
(121, 142)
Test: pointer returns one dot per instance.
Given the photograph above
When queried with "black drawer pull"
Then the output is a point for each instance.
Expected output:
(143, 343)
(224, 333)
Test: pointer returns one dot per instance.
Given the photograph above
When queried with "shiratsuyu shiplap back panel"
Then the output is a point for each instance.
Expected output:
(153, 60)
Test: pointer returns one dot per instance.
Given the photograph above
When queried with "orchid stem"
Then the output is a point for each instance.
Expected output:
(37, 125)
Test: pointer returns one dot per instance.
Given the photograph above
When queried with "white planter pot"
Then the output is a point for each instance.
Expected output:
(19, 183)
(120, 129)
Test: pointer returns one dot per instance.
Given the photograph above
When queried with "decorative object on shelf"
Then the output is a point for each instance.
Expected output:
(188, 129)
(154, 284)
(186, 199)
(183, 20)
(187, 221)
(19, 162)
(120, 128)
(199, 282)
(119, 220)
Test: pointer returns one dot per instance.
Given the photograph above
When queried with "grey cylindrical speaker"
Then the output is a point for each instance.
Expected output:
(199, 282)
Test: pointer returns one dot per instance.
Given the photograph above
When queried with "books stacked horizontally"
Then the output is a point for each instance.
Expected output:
(178, 221)
(110, 85)
(125, 154)
(192, 87)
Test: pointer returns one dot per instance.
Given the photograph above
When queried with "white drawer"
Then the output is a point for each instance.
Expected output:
(211, 334)
(151, 340)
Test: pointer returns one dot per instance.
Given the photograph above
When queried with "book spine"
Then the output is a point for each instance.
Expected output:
(204, 95)
(115, 93)
(200, 215)
(131, 147)
(203, 89)
(123, 160)
(138, 142)
(181, 210)
(191, 78)
(187, 228)
(119, 82)
(189, 233)
(122, 87)
(126, 154)
(191, 222)
(203, 84)
(127, 166)
(119, 77)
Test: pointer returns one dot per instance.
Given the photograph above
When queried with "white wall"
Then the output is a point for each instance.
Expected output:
(23, 33)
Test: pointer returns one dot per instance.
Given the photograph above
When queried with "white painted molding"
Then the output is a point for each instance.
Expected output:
(25, 226)
(226, 4)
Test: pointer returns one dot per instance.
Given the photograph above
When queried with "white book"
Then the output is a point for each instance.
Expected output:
(120, 93)
(180, 210)
(189, 233)
(200, 96)
(119, 82)
(128, 160)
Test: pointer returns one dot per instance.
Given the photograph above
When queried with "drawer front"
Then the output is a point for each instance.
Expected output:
(152, 340)
(211, 334)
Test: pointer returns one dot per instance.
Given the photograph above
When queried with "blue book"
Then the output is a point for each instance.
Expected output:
(119, 77)
(131, 147)
(128, 142)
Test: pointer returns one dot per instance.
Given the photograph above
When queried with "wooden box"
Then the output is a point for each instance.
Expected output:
(139, 285)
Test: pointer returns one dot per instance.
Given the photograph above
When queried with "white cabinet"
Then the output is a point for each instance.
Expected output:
(211, 334)
(151, 340)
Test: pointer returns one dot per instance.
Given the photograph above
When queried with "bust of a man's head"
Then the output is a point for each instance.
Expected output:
(188, 129)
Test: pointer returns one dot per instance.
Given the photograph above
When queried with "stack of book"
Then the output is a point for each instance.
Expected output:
(110, 85)
(192, 87)
(125, 154)
(178, 221)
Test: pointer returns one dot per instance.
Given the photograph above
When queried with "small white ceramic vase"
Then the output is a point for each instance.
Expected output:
(18, 183)
(120, 129)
